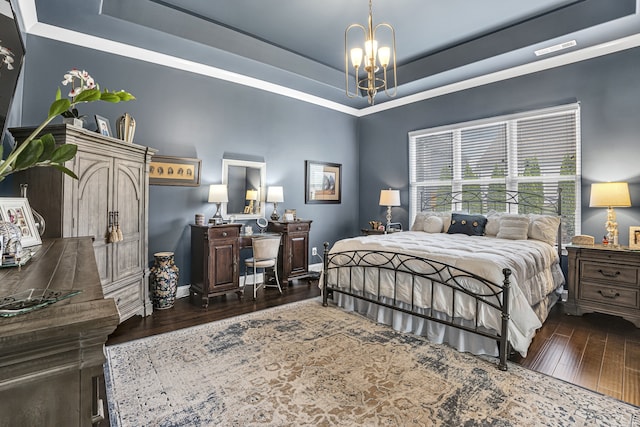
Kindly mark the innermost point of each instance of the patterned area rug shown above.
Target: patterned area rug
(304, 364)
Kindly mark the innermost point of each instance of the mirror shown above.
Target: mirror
(245, 182)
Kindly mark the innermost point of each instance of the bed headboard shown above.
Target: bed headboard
(483, 202)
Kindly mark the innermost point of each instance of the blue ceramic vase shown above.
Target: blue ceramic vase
(163, 277)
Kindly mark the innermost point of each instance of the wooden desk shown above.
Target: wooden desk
(51, 358)
(215, 256)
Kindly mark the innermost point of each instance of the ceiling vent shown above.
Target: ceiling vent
(555, 48)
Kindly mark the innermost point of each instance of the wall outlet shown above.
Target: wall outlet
(314, 251)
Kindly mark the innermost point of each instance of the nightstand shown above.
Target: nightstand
(605, 280)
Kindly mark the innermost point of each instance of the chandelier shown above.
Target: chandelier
(376, 59)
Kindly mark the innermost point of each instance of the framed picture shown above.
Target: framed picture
(17, 210)
(290, 215)
(167, 170)
(104, 127)
(634, 237)
(323, 182)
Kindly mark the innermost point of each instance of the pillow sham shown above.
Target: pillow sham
(513, 227)
(544, 228)
(471, 225)
(433, 224)
(493, 223)
(418, 222)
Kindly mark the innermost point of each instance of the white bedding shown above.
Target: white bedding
(534, 264)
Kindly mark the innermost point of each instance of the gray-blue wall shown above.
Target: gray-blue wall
(188, 115)
(184, 114)
(608, 89)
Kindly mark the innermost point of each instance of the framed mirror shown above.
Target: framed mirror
(245, 182)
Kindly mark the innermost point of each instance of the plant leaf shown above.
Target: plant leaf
(63, 153)
(109, 97)
(64, 170)
(48, 145)
(58, 107)
(58, 94)
(125, 96)
(29, 155)
(87, 95)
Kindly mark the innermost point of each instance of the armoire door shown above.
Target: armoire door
(128, 204)
(92, 204)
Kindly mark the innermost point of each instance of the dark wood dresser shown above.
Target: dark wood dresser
(51, 358)
(293, 259)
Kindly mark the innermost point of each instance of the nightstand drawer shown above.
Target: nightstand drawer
(610, 273)
(623, 297)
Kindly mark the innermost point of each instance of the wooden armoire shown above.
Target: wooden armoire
(112, 183)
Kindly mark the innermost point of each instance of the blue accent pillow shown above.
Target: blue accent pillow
(471, 225)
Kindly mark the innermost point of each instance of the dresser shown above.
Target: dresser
(604, 280)
(112, 183)
(215, 258)
(293, 259)
(51, 358)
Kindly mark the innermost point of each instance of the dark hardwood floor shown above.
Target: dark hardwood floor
(596, 351)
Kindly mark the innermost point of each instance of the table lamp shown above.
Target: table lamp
(610, 195)
(218, 195)
(251, 196)
(275, 195)
(389, 198)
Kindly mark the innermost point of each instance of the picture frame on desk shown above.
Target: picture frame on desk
(634, 237)
(17, 210)
(169, 170)
(103, 126)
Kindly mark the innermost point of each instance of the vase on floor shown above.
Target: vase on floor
(163, 278)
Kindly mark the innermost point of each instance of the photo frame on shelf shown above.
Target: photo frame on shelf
(17, 210)
(634, 237)
(103, 126)
(169, 170)
(323, 182)
(290, 215)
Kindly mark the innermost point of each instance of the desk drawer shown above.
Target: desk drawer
(295, 227)
(223, 232)
(623, 297)
(610, 273)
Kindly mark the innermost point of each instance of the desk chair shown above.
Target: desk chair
(265, 256)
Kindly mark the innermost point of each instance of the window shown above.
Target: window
(537, 152)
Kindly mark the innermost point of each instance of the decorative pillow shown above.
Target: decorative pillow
(493, 223)
(433, 224)
(514, 227)
(471, 225)
(544, 228)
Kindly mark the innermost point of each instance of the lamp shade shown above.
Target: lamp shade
(610, 194)
(275, 194)
(218, 193)
(252, 195)
(389, 197)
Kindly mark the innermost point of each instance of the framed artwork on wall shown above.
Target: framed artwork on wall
(168, 170)
(17, 210)
(634, 237)
(323, 182)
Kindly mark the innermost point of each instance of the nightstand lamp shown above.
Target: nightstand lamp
(389, 198)
(610, 195)
(275, 195)
(218, 195)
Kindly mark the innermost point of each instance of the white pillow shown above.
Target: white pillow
(514, 227)
(493, 223)
(544, 228)
(433, 224)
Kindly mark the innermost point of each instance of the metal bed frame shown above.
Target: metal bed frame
(418, 270)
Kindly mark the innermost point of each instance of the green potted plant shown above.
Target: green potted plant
(41, 150)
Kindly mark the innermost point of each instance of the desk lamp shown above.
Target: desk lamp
(610, 195)
(218, 195)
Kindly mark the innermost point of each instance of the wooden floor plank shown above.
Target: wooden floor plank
(569, 363)
(631, 392)
(588, 374)
(612, 373)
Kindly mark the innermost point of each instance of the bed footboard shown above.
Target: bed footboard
(417, 286)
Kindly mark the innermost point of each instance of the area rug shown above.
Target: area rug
(304, 364)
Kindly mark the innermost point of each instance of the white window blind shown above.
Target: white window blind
(535, 152)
